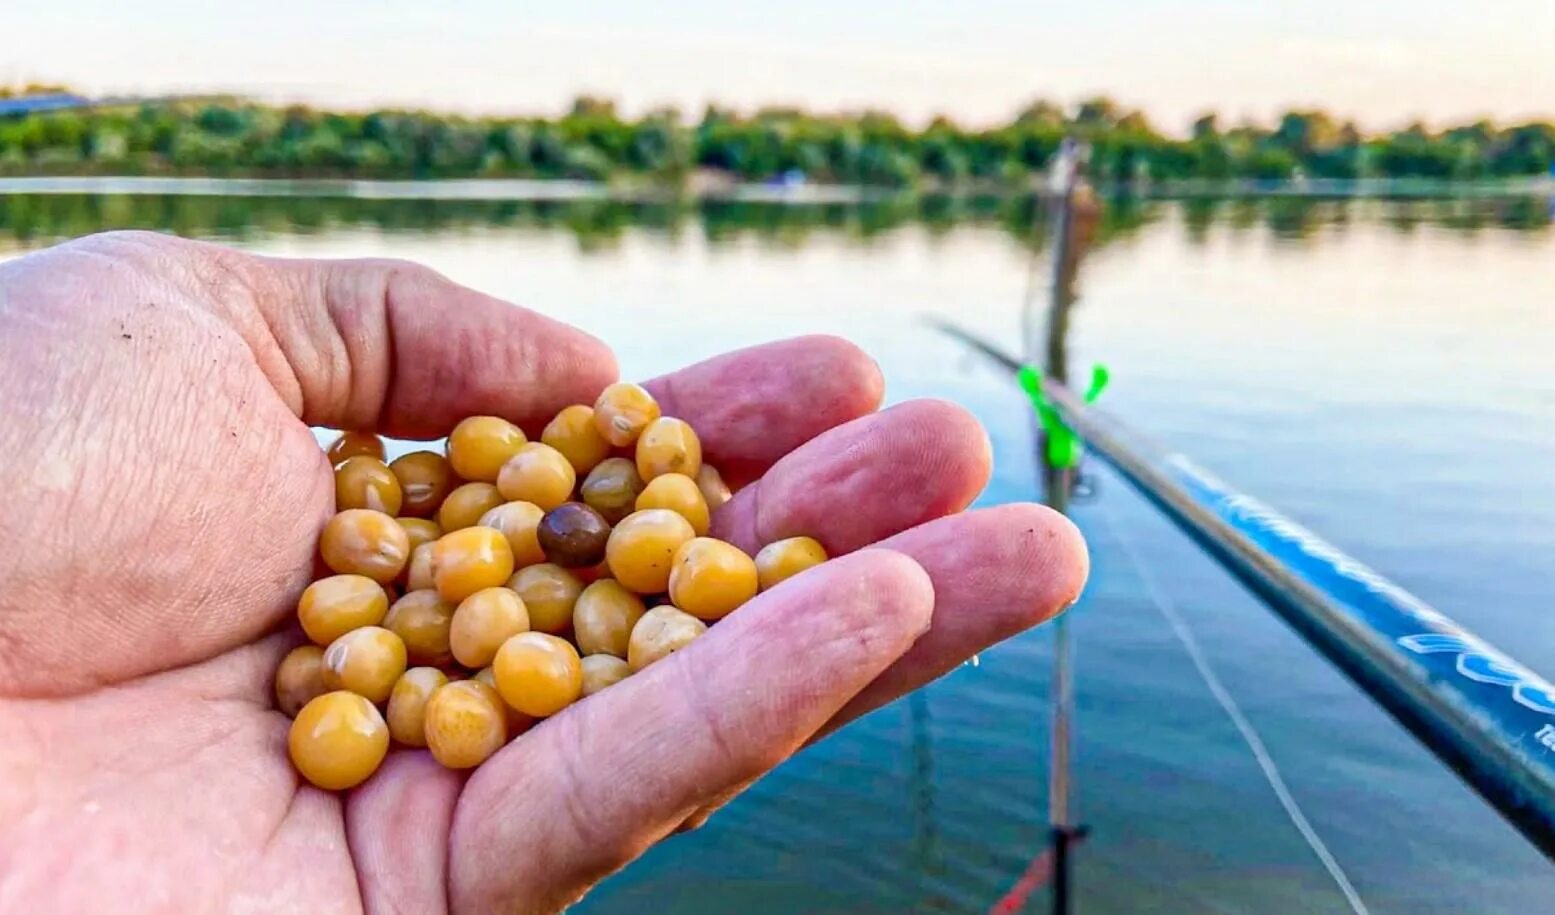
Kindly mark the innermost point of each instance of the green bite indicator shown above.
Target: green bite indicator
(1064, 448)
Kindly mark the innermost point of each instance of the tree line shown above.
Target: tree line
(593, 141)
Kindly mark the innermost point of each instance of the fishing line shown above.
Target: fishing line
(1249, 734)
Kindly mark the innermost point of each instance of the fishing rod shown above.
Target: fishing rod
(1046, 342)
(1486, 716)
(1058, 478)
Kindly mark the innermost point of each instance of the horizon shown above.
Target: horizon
(1382, 67)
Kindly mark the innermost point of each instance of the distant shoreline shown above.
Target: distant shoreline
(559, 189)
(562, 190)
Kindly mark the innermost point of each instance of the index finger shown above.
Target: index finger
(619, 770)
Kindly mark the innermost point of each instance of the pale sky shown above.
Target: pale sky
(1383, 62)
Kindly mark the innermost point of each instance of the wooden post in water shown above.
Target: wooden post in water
(1050, 352)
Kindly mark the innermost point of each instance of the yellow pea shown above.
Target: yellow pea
(519, 522)
(480, 445)
(365, 661)
(338, 740)
(470, 559)
(465, 723)
(661, 632)
(549, 593)
(418, 572)
(678, 493)
(483, 622)
(466, 504)
(333, 606)
(710, 578)
(351, 444)
(366, 482)
(419, 531)
(360, 541)
(783, 559)
(642, 546)
(408, 700)
(602, 670)
(538, 674)
(425, 481)
(539, 474)
(603, 617)
(622, 411)
(715, 492)
(299, 679)
(668, 445)
(422, 620)
(574, 434)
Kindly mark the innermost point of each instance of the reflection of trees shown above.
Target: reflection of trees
(1307, 217)
(1523, 212)
(1296, 217)
(34, 219)
(1199, 213)
(1244, 213)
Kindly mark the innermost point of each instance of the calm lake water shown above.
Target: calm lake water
(1379, 370)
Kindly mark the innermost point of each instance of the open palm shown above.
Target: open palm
(164, 495)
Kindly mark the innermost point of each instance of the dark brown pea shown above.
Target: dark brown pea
(573, 535)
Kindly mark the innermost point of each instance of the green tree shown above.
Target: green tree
(593, 139)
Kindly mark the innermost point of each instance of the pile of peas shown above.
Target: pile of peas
(478, 591)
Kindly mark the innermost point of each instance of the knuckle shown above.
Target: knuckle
(125, 241)
(394, 272)
(740, 750)
(610, 849)
(148, 251)
(212, 271)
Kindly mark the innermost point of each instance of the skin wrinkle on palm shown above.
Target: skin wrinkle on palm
(184, 736)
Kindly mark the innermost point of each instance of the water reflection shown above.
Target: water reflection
(1298, 347)
(33, 220)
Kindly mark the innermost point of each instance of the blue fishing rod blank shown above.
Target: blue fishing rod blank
(1491, 719)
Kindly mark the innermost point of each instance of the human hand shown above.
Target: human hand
(164, 499)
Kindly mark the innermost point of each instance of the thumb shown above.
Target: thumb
(382, 345)
(397, 347)
(588, 791)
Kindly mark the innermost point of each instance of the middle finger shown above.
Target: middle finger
(865, 480)
(752, 406)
